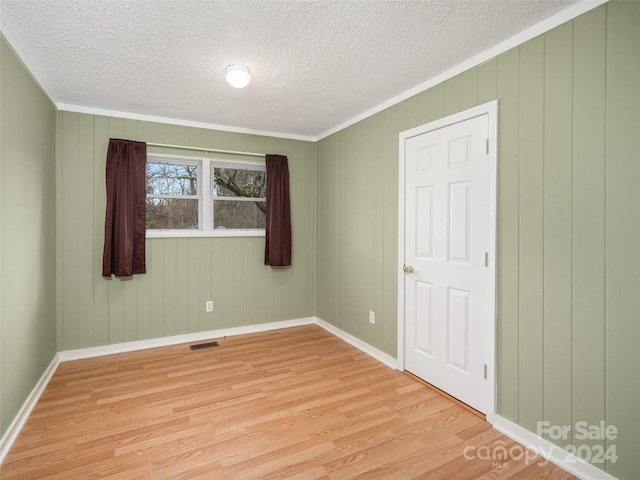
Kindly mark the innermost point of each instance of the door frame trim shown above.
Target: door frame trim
(490, 109)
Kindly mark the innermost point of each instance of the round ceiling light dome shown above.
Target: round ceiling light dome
(238, 76)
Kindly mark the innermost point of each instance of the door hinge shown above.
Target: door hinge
(487, 146)
(486, 259)
(485, 371)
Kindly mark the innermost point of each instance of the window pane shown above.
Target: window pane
(236, 182)
(235, 214)
(170, 179)
(174, 213)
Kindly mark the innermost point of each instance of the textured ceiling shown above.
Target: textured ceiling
(314, 64)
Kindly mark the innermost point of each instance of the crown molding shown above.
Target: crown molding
(65, 107)
(550, 23)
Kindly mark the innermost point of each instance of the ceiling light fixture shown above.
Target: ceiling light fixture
(238, 76)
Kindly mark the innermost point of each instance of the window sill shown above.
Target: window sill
(199, 233)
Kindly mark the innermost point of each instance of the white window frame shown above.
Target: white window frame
(206, 197)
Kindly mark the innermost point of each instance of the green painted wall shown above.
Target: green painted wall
(27, 234)
(568, 223)
(182, 273)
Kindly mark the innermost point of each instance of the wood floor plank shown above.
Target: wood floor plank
(295, 403)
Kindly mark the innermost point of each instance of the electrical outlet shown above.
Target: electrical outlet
(372, 317)
(208, 306)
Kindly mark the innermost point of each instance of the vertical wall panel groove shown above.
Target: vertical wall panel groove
(100, 318)
(384, 325)
(588, 218)
(452, 95)
(86, 244)
(130, 289)
(70, 235)
(143, 304)
(507, 235)
(558, 185)
(58, 274)
(531, 249)
(622, 172)
(116, 287)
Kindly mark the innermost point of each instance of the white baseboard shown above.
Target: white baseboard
(379, 355)
(183, 338)
(14, 429)
(548, 450)
(80, 353)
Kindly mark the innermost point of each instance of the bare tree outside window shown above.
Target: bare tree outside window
(239, 198)
(172, 196)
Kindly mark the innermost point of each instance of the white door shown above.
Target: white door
(447, 240)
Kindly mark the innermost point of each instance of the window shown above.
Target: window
(238, 197)
(173, 197)
(204, 197)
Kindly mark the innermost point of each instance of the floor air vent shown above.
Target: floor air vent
(200, 346)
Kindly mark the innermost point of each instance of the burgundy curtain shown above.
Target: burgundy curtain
(124, 226)
(277, 252)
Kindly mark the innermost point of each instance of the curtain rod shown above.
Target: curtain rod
(203, 149)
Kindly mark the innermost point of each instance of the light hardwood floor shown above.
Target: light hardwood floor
(296, 403)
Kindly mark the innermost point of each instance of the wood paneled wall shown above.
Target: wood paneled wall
(568, 223)
(27, 234)
(182, 273)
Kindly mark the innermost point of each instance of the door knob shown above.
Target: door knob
(407, 269)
